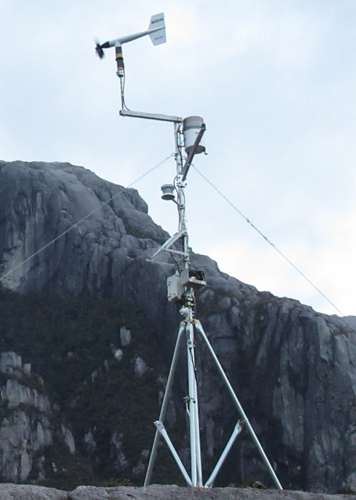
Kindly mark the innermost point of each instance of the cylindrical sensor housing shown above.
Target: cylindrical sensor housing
(191, 128)
(167, 192)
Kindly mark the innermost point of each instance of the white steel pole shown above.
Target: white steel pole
(195, 450)
(193, 405)
(192, 408)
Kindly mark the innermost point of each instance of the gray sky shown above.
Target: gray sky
(275, 82)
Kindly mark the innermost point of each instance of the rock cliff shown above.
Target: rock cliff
(101, 335)
(27, 426)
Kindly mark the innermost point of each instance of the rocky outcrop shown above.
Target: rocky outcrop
(293, 369)
(27, 426)
(174, 493)
(21, 492)
(41, 201)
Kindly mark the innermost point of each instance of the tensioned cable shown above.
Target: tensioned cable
(82, 220)
(268, 241)
(216, 189)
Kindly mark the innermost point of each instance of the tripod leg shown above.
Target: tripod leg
(164, 403)
(199, 328)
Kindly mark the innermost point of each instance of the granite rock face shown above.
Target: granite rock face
(293, 369)
(39, 202)
(26, 429)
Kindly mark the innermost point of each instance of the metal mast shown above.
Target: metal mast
(188, 135)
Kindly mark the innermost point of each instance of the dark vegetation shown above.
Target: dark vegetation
(70, 344)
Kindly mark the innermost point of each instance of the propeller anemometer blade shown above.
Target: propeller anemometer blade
(99, 50)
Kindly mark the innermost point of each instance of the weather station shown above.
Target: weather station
(182, 285)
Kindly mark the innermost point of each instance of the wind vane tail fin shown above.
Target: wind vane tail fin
(157, 23)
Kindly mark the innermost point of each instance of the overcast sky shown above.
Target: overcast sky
(275, 82)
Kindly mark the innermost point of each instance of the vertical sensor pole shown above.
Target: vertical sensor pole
(193, 405)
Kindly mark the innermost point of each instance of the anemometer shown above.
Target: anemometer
(188, 134)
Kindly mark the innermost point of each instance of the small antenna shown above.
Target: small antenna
(188, 134)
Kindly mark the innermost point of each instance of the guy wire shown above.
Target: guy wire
(217, 190)
(81, 220)
(269, 241)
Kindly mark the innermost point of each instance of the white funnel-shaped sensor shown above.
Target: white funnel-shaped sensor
(167, 192)
(191, 128)
(157, 24)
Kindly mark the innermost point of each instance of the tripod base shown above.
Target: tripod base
(188, 327)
